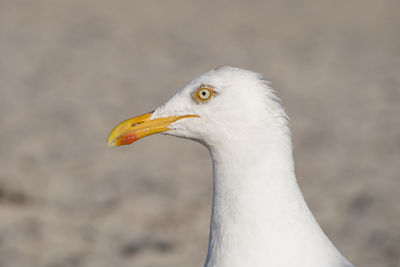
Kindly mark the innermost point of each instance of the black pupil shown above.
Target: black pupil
(204, 93)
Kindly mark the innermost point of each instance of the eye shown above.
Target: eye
(203, 94)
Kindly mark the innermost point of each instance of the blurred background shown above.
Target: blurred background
(71, 70)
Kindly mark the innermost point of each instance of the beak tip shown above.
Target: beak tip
(110, 143)
(126, 139)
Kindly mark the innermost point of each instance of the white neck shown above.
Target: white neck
(259, 217)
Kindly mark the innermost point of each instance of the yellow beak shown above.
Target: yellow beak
(138, 127)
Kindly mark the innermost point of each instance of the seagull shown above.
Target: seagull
(259, 217)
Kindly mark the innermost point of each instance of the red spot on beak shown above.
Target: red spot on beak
(126, 139)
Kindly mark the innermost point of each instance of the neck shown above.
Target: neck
(259, 216)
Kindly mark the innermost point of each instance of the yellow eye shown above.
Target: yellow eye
(203, 94)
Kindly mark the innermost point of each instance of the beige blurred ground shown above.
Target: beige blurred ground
(70, 70)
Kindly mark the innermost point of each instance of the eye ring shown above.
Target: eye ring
(203, 94)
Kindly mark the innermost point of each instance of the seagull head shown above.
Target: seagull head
(223, 104)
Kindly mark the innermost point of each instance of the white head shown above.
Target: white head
(222, 104)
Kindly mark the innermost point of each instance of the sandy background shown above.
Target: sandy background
(70, 70)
